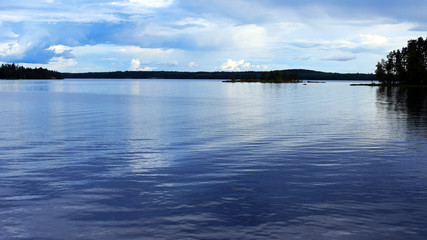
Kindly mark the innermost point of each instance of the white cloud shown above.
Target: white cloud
(57, 64)
(241, 65)
(232, 65)
(109, 57)
(135, 65)
(58, 49)
(61, 64)
(373, 39)
(151, 3)
(144, 3)
(204, 33)
(192, 64)
(13, 48)
(226, 35)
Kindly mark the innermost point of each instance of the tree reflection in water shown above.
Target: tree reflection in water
(408, 101)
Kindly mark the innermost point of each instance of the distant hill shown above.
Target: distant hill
(302, 74)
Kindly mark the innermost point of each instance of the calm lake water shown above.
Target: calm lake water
(202, 159)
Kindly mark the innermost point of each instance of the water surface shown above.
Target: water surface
(202, 159)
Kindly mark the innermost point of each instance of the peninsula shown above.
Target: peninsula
(404, 67)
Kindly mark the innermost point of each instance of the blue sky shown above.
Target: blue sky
(206, 35)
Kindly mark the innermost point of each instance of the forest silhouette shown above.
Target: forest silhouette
(12, 71)
(405, 66)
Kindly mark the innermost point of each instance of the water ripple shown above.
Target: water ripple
(206, 160)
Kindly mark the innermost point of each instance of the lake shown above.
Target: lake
(201, 159)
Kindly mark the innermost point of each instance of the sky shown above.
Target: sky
(345, 36)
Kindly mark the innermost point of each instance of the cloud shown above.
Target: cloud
(58, 11)
(231, 65)
(144, 3)
(204, 34)
(12, 48)
(371, 40)
(135, 65)
(62, 51)
(61, 63)
(56, 63)
(241, 65)
(192, 64)
(189, 22)
(134, 49)
(30, 46)
(225, 35)
(341, 58)
(109, 57)
(6, 33)
(151, 3)
(107, 35)
(59, 49)
(24, 52)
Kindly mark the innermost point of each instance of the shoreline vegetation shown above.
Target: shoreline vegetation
(241, 76)
(15, 72)
(407, 66)
(260, 81)
(269, 77)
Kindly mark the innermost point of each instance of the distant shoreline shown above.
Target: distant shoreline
(301, 73)
(260, 81)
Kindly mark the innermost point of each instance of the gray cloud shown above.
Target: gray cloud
(340, 58)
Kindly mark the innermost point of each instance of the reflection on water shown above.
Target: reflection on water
(410, 102)
(162, 159)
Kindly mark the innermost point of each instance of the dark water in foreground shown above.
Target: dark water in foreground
(164, 159)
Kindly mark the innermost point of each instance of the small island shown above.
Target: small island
(269, 77)
(12, 72)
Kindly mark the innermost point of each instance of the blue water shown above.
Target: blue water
(202, 159)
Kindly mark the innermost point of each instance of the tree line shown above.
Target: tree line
(12, 71)
(290, 73)
(405, 66)
(278, 76)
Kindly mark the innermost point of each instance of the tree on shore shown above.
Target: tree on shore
(405, 66)
(12, 71)
(278, 76)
